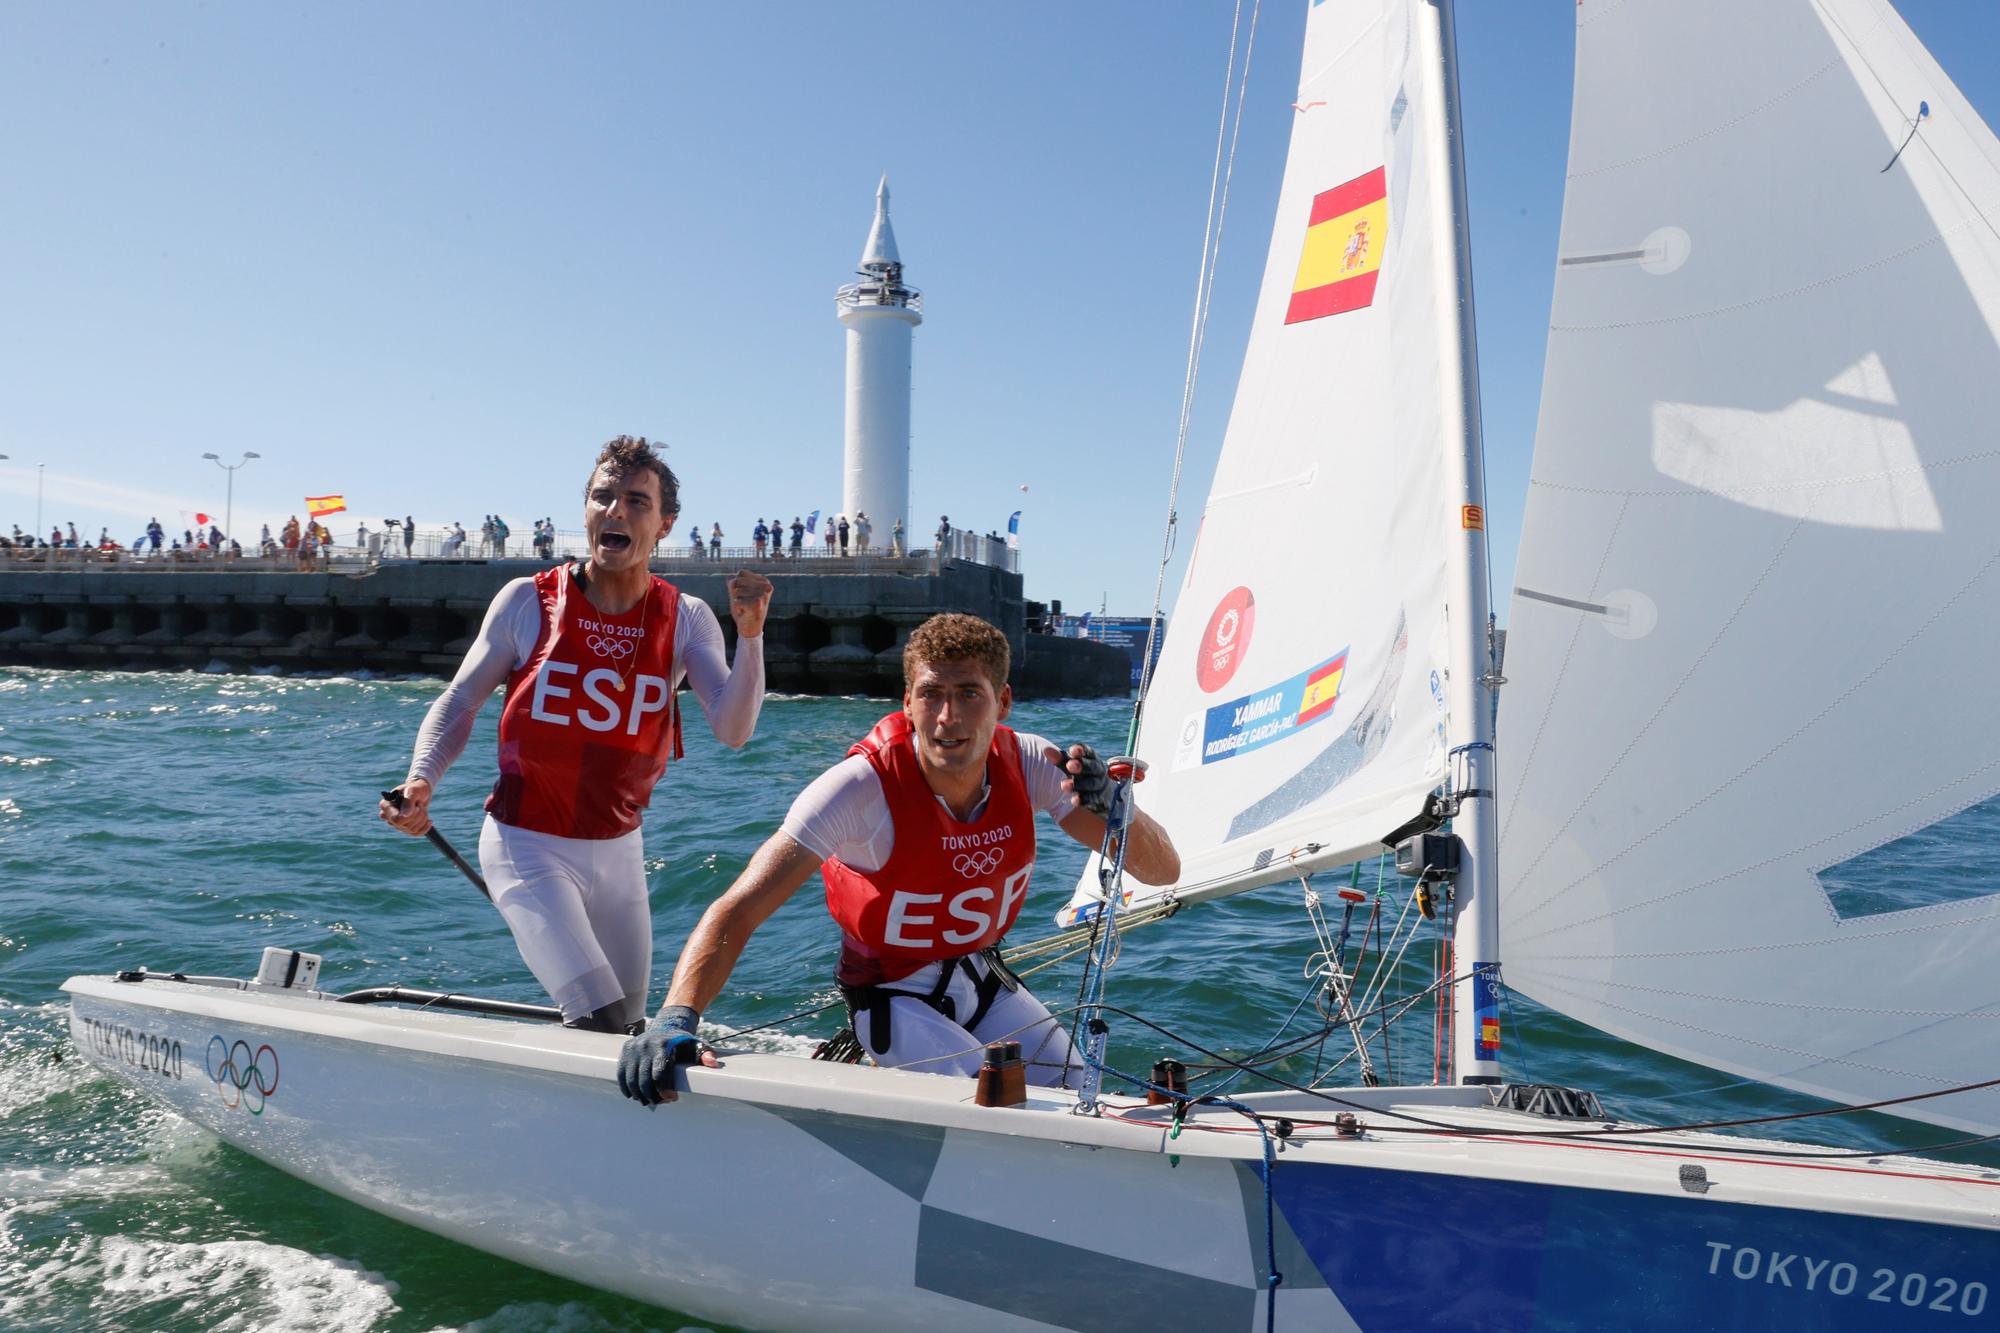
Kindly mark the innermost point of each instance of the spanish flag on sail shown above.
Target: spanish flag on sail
(1343, 251)
(319, 506)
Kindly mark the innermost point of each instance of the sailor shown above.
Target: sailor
(590, 654)
(925, 836)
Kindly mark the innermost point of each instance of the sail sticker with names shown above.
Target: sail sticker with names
(1264, 718)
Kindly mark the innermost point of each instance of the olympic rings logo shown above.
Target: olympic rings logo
(616, 649)
(974, 864)
(244, 1077)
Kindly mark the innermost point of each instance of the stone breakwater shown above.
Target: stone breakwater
(837, 632)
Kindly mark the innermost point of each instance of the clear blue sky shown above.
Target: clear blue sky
(431, 255)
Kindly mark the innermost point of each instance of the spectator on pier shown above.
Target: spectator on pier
(862, 527)
(409, 534)
(454, 543)
(943, 533)
(760, 537)
(715, 541)
(694, 535)
(308, 545)
(288, 536)
(155, 534)
(214, 538)
(843, 534)
(264, 543)
(896, 539)
(831, 536)
(501, 532)
(798, 537)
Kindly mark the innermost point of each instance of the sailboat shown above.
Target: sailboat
(1753, 563)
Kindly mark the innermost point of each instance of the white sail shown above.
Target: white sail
(1759, 589)
(1298, 711)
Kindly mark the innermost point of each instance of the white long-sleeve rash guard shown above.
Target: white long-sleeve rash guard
(730, 699)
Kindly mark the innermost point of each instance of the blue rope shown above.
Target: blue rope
(1182, 1101)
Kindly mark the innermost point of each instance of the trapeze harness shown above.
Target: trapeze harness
(948, 892)
(590, 717)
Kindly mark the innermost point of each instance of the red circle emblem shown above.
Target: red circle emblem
(1226, 640)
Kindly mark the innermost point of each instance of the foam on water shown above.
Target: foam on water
(224, 1285)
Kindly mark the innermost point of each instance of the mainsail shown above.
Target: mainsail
(1298, 712)
(1759, 588)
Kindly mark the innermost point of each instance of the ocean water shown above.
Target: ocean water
(186, 821)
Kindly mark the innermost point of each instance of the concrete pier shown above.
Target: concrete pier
(836, 626)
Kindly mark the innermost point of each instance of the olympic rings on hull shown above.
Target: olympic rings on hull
(244, 1077)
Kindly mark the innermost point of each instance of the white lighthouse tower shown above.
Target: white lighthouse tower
(879, 312)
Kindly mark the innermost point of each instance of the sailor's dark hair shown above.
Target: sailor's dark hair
(955, 637)
(629, 453)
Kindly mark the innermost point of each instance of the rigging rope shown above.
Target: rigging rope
(1220, 175)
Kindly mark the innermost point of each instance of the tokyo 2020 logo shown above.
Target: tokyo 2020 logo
(244, 1077)
(1226, 641)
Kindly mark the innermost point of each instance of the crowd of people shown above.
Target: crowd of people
(311, 544)
(775, 539)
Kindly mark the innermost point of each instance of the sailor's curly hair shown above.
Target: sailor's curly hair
(955, 637)
(630, 453)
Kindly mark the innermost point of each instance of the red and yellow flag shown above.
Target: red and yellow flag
(1322, 690)
(1342, 255)
(319, 506)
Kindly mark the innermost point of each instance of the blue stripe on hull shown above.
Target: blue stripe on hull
(1410, 1251)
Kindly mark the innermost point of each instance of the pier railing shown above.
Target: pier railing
(352, 559)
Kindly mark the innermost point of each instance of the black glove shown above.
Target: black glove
(646, 1065)
(1090, 782)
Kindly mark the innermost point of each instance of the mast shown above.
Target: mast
(1469, 691)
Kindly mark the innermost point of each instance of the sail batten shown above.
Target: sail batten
(1758, 568)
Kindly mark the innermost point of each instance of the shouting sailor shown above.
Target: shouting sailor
(925, 836)
(590, 654)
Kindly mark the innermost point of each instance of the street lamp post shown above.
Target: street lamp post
(229, 500)
(39, 468)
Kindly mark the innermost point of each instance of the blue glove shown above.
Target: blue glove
(1091, 783)
(646, 1065)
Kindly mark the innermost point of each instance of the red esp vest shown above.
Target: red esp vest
(949, 888)
(590, 718)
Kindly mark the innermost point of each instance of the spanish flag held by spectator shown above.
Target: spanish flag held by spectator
(319, 506)
(1342, 255)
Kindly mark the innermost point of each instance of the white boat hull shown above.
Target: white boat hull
(786, 1194)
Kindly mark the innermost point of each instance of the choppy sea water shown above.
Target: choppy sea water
(186, 821)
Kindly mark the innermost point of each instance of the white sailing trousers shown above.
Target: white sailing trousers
(578, 910)
(926, 1041)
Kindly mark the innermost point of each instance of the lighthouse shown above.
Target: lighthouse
(880, 312)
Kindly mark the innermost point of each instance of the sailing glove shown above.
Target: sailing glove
(646, 1065)
(1090, 782)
